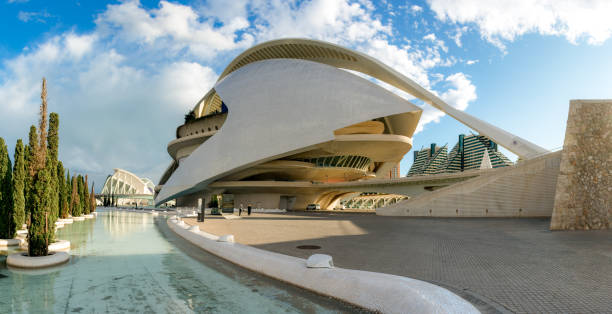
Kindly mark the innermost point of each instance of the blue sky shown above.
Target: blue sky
(122, 74)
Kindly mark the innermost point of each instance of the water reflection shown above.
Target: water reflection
(122, 263)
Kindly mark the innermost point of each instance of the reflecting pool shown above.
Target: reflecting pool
(131, 262)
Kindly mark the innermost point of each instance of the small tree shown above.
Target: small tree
(190, 116)
(40, 230)
(19, 181)
(7, 227)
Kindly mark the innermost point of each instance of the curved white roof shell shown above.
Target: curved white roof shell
(337, 56)
(123, 182)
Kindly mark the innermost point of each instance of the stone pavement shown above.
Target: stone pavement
(514, 265)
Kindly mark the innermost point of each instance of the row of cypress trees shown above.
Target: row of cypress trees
(34, 191)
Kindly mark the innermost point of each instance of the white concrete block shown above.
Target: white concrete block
(10, 242)
(226, 238)
(60, 245)
(195, 228)
(320, 261)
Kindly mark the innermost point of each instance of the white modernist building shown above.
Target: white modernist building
(285, 116)
(128, 188)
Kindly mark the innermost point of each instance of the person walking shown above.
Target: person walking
(240, 210)
(249, 209)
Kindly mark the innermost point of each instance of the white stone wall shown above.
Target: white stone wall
(525, 190)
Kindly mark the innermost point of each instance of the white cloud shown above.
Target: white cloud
(440, 43)
(79, 45)
(39, 17)
(332, 20)
(504, 20)
(172, 27)
(459, 31)
(416, 9)
(470, 62)
(459, 96)
(461, 93)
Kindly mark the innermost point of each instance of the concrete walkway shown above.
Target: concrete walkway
(501, 264)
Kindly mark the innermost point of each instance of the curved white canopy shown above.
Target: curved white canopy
(125, 183)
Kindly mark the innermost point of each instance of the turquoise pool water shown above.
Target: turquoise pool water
(131, 262)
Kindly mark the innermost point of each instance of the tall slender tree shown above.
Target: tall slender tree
(52, 160)
(68, 188)
(75, 203)
(62, 202)
(42, 228)
(41, 154)
(7, 227)
(86, 207)
(92, 200)
(19, 181)
(30, 158)
(80, 192)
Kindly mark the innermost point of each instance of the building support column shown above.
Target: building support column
(583, 199)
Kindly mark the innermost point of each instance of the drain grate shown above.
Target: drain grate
(308, 247)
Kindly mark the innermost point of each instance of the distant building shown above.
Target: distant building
(394, 173)
(467, 154)
(431, 160)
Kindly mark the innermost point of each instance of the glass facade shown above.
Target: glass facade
(355, 162)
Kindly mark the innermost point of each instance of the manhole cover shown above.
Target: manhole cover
(308, 247)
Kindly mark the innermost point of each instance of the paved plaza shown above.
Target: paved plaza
(500, 265)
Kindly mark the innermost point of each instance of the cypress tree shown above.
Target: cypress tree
(30, 169)
(74, 198)
(19, 180)
(86, 206)
(75, 204)
(42, 225)
(92, 200)
(80, 191)
(40, 230)
(68, 189)
(52, 146)
(62, 191)
(7, 227)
